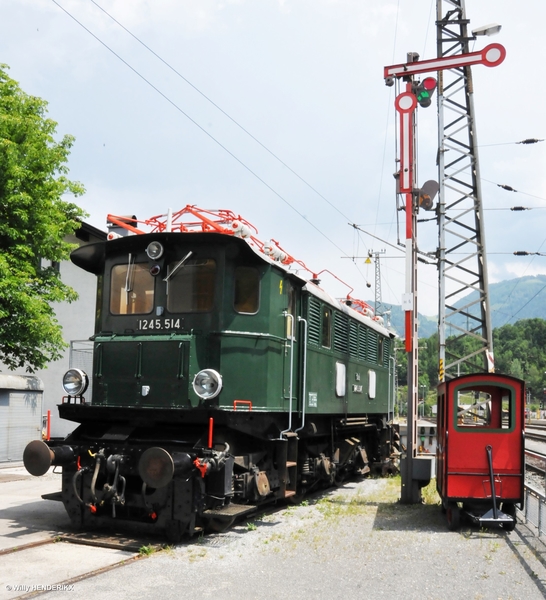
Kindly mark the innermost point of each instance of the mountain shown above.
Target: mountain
(510, 301)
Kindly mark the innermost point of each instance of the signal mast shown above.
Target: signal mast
(416, 471)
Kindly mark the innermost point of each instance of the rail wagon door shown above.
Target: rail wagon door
(291, 368)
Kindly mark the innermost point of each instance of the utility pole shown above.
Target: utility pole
(378, 308)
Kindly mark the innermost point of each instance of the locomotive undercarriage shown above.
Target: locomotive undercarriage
(168, 478)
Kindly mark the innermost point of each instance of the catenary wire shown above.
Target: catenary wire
(234, 121)
(223, 112)
(172, 103)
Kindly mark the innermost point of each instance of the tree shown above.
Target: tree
(34, 221)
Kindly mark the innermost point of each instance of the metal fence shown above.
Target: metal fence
(534, 510)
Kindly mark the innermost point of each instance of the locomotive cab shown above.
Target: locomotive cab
(181, 310)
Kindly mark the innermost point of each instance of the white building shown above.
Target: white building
(78, 323)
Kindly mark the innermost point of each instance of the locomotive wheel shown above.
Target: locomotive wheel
(219, 525)
(339, 480)
(173, 532)
(453, 515)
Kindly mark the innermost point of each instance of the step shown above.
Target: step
(231, 510)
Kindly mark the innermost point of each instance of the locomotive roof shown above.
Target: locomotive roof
(315, 290)
(218, 226)
(91, 257)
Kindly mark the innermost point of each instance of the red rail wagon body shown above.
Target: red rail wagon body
(481, 448)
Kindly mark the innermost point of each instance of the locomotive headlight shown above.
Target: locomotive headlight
(207, 384)
(154, 250)
(75, 382)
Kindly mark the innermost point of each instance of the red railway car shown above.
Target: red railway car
(481, 448)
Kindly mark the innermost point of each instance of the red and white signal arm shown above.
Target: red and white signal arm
(405, 104)
(490, 56)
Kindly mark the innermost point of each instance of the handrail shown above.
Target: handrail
(252, 334)
(304, 374)
(286, 314)
(246, 402)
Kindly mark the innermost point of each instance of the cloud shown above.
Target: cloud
(305, 78)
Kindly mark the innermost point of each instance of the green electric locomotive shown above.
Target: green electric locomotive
(222, 380)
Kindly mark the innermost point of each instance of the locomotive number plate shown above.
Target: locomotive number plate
(158, 324)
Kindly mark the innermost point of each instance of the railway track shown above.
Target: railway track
(82, 556)
(102, 553)
(535, 433)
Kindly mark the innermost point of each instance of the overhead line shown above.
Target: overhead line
(148, 82)
(219, 108)
(234, 121)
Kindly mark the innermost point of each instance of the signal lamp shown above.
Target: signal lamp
(154, 250)
(155, 270)
(207, 384)
(75, 382)
(427, 194)
(424, 90)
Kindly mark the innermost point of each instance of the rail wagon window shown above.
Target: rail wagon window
(341, 378)
(372, 385)
(191, 288)
(247, 290)
(131, 290)
(380, 344)
(484, 408)
(326, 329)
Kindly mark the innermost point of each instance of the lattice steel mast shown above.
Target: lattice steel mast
(461, 251)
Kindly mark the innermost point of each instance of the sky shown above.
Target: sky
(162, 103)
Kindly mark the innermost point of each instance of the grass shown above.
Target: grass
(196, 553)
(430, 495)
(382, 504)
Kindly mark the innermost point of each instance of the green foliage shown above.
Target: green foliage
(34, 220)
(520, 351)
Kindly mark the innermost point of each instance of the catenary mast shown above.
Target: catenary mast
(462, 261)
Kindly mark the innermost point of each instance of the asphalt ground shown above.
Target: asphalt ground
(351, 542)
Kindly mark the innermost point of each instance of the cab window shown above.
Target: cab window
(191, 287)
(131, 290)
(247, 290)
(484, 408)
